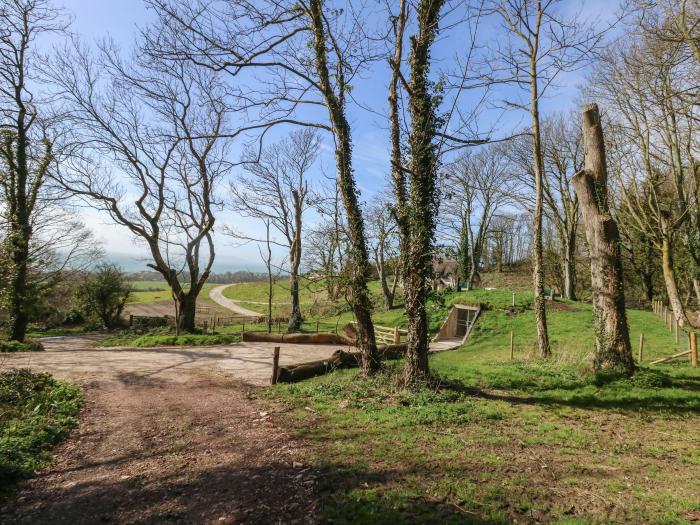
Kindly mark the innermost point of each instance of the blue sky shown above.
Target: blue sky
(120, 19)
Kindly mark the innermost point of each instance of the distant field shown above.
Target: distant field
(154, 291)
(312, 295)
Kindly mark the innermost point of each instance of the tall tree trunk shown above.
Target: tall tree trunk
(358, 262)
(398, 172)
(422, 198)
(19, 248)
(669, 273)
(387, 293)
(537, 256)
(570, 266)
(295, 317)
(187, 307)
(696, 289)
(613, 347)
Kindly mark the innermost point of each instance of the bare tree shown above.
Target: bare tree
(277, 191)
(308, 54)
(539, 44)
(563, 155)
(383, 241)
(644, 83)
(160, 125)
(478, 186)
(326, 245)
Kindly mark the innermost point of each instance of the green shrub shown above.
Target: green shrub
(16, 346)
(36, 412)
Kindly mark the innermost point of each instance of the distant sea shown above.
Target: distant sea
(222, 264)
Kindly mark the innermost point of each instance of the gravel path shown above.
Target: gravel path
(217, 295)
(169, 436)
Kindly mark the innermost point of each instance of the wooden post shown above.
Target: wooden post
(316, 325)
(511, 345)
(693, 349)
(641, 347)
(278, 326)
(275, 365)
(131, 320)
(242, 329)
(397, 335)
(677, 326)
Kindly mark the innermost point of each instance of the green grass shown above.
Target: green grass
(501, 440)
(154, 291)
(16, 346)
(36, 412)
(314, 300)
(145, 341)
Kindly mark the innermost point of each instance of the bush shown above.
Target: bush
(36, 412)
(16, 346)
(104, 295)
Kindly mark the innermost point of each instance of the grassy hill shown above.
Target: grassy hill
(500, 441)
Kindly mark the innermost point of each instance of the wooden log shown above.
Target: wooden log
(693, 349)
(641, 347)
(397, 335)
(323, 338)
(339, 359)
(275, 365)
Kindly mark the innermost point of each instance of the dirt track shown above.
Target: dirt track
(217, 295)
(168, 436)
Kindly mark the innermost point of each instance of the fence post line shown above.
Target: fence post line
(641, 347)
(275, 365)
(693, 349)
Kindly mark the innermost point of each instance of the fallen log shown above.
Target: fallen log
(323, 338)
(339, 359)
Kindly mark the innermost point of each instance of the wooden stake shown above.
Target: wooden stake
(278, 326)
(641, 347)
(511, 345)
(397, 335)
(693, 349)
(677, 329)
(316, 325)
(275, 365)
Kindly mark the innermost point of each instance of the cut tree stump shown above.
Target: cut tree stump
(613, 347)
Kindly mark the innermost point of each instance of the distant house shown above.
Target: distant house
(445, 274)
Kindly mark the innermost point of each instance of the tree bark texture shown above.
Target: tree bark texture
(537, 255)
(358, 262)
(422, 196)
(613, 347)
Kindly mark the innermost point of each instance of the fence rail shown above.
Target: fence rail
(666, 315)
(388, 335)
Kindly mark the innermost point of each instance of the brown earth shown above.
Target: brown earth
(167, 437)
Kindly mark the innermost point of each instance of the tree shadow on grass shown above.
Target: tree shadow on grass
(269, 494)
(661, 394)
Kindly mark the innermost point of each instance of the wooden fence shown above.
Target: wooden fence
(388, 335)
